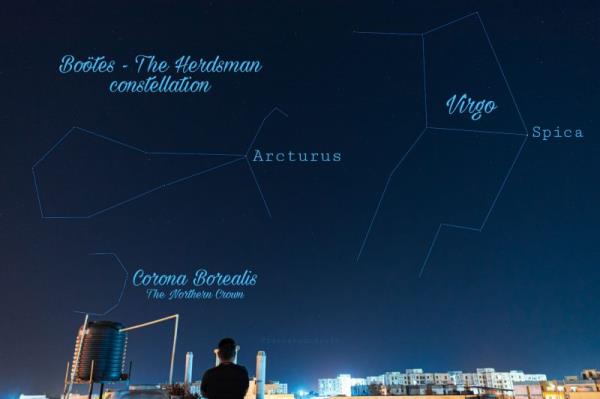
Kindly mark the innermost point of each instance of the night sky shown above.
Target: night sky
(520, 294)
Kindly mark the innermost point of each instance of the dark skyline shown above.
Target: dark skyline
(518, 294)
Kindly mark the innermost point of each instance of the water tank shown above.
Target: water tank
(106, 345)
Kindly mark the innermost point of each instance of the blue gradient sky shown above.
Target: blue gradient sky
(521, 294)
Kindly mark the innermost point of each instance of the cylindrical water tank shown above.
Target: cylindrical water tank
(106, 345)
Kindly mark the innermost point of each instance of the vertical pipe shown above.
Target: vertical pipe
(173, 351)
(129, 374)
(76, 361)
(237, 349)
(189, 363)
(261, 368)
(217, 360)
(150, 323)
(101, 391)
(91, 382)
(66, 379)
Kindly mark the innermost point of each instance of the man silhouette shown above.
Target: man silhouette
(227, 380)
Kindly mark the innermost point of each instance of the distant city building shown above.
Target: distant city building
(273, 390)
(590, 374)
(360, 390)
(570, 388)
(276, 388)
(417, 382)
(527, 390)
(340, 385)
(580, 386)
(490, 378)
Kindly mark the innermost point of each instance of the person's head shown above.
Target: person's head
(226, 349)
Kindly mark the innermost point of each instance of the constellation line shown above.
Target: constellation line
(260, 192)
(387, 33)
(474, 131)
(485, 219)
(237, 157)
(441, 129)
(113, 307)
(387, 183)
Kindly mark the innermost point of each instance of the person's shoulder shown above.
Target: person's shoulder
(210, 371)
(241, 369)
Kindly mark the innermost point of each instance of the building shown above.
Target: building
(276, 388)
(372, 385)
(273, 390)
(570, 388)
(360, 390)
(459, 396)
(418, 382)
(340, 385)
(346, 385)
(590, 374)
(527, 390)
(376, 380)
